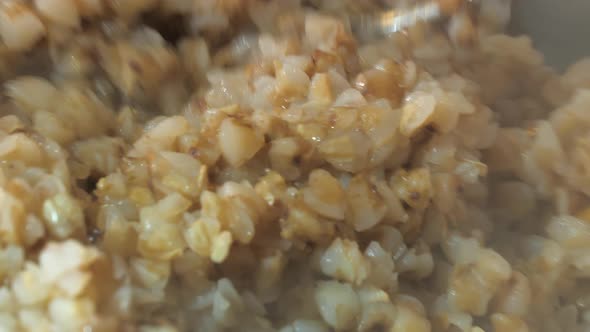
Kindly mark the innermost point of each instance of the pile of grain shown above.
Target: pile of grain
(219, 165)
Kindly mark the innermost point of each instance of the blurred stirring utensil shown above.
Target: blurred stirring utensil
(377, 25)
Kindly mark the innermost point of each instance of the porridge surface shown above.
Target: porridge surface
(227, 165)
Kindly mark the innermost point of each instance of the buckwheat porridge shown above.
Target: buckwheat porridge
(227, 165)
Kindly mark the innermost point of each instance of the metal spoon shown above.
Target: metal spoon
(376, 25)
